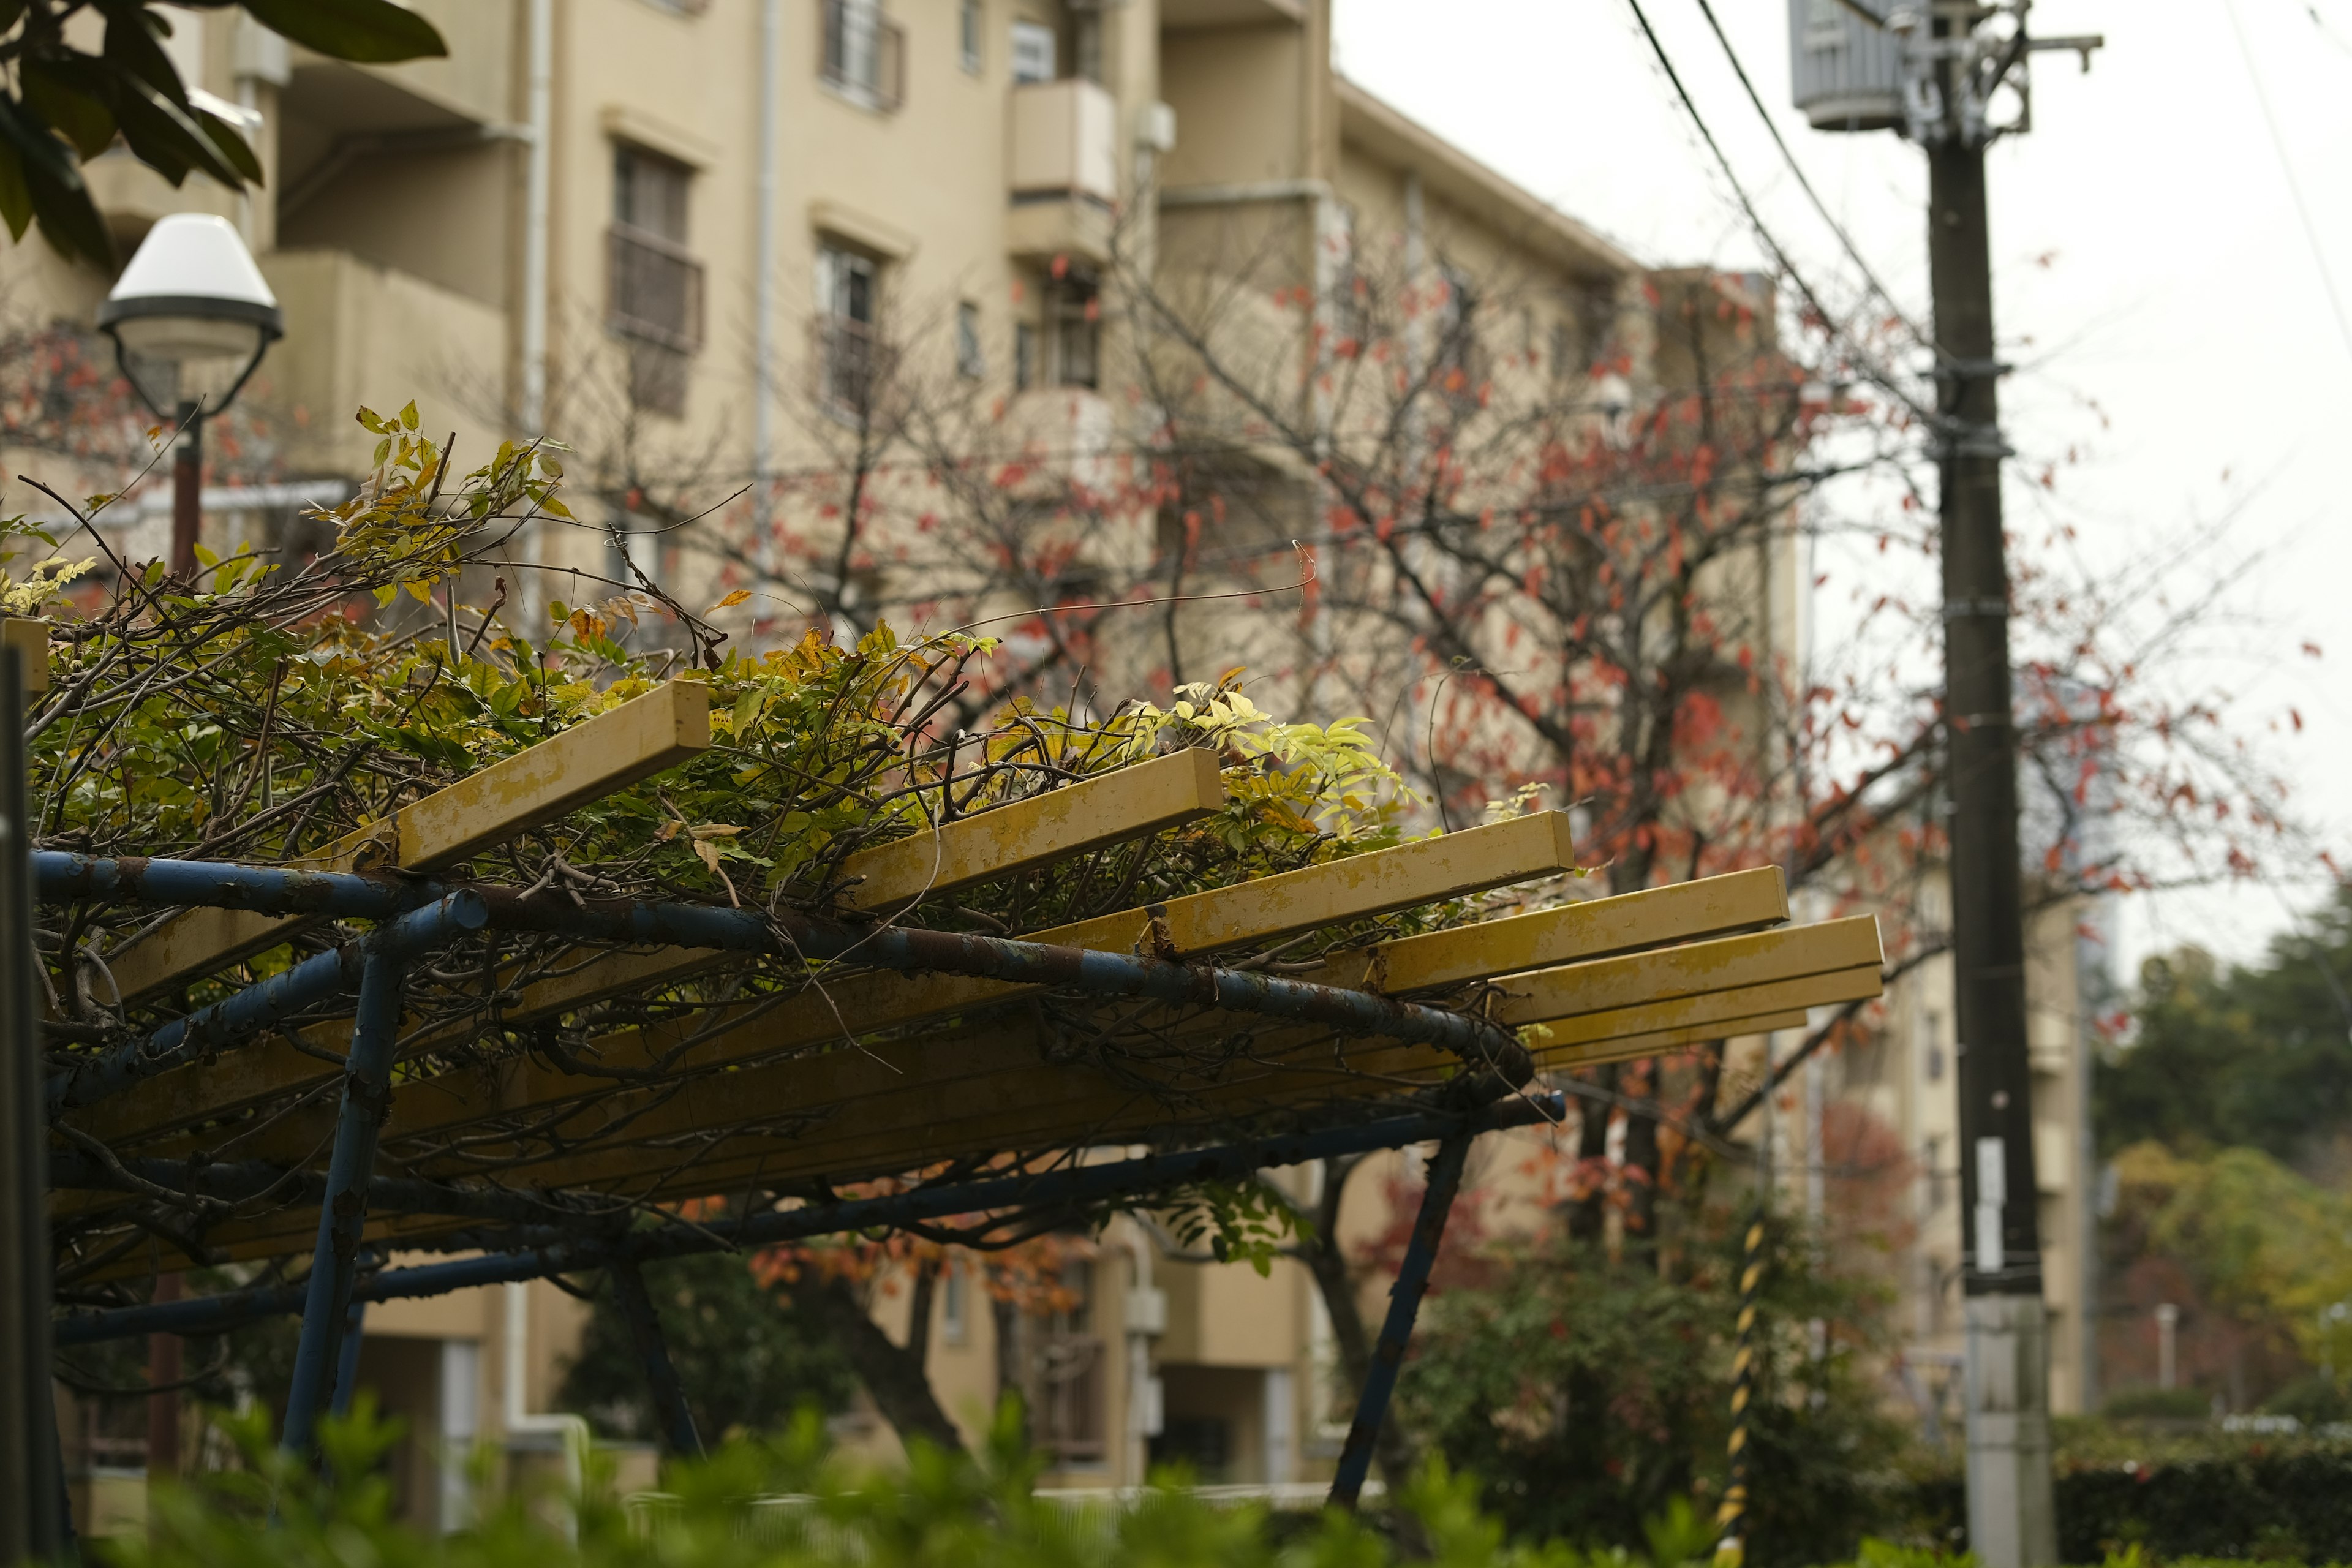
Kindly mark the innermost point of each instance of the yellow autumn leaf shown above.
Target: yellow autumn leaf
(730, 601)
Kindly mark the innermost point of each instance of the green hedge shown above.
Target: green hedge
(2277, 1502)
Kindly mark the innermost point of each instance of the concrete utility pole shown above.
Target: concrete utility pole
(2010, 1515)
(1931, 69)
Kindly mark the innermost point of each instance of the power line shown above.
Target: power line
(2294, 185)
(1756, 219)
(1789, 157)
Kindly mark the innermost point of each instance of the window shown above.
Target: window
(971, 362)
(969, 22)
(656, 283)
(847, 306)
(1073, 319)
(1033, 52)
(1025, 356)
(865, 54)
(1068, 1412)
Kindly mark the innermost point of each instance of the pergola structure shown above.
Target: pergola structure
(322, 1112)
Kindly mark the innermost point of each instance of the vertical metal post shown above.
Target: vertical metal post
(34, 1524)
(1404, 1304)
(188, 489)
(347, 1364)
(670, 1409)
(165, 1366)
(343, 1213)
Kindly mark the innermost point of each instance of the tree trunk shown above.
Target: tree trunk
(894, 1375)
(1644, 1170)
(1586, 1214)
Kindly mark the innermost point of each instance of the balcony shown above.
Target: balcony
(1070, 1424)
(654, 289)
(1064, 164)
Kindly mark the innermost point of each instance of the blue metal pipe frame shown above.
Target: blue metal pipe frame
(333, 1296)
(643, 922)
(301, 989)
(1396, 1330)
(342, 1217)
(1072, 1187)
(671, 1412)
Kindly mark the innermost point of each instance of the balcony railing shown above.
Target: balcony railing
(865, 54)
(1070, 1398)
(657, 290)
(852, 360)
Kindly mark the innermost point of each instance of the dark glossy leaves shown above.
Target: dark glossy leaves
(373, 31)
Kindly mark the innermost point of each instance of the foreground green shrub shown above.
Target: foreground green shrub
(786, 1502)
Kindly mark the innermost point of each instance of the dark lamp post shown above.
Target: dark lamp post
(191, 295)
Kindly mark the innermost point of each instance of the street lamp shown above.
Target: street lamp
(191, 300)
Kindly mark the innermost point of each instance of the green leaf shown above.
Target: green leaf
(229, 143)
(376, 32)
(51, 93)
(166, 140)
(408, 415)
(15, 197)
(131, 49)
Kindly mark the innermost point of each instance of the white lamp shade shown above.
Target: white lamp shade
(192, 293)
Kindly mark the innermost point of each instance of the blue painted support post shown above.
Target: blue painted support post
(671, 1413)
(274, 1001)
(1404, 1304)
(367, 1096)
(347, 1361)
(539, 1251)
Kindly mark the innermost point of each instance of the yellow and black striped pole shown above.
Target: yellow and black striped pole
(1732, 1542)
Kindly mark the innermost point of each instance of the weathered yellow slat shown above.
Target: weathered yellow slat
(1167, 792)
(1601, 1036)
(1549, 996)
(1684, 911)
(609, 752)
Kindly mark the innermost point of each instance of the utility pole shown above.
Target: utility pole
(2011, 1518)
(1932, 70)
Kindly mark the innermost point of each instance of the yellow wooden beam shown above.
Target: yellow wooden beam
(1442, 960)
(1166, 792)
(1604, 1037)
(536, 785)
(1643, 979)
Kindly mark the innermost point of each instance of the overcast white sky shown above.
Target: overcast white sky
(2152, 278)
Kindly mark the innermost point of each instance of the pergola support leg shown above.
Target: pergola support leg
(1396, 1330)
(347, 1360)
(670, 1409)
(342, 1217)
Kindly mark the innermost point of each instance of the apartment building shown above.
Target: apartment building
(696, 237)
